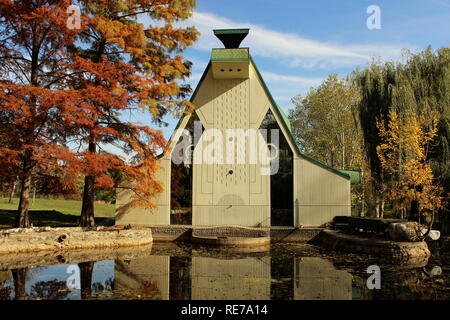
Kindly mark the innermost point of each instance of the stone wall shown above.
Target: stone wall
(71, 256)
(293, 235)
(404, 252)
(37, 239)
(277, 234)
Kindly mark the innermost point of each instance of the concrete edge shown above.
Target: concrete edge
(42, 239)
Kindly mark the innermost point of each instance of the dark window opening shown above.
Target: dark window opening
(181, 182)
(282, 182)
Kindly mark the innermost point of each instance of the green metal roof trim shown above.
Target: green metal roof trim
(191, 100)
(285, 118)
(355, 175)
(194, 94)
(230, 31)
(286, 123)
(236, 54)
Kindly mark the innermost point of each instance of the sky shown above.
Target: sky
(296, 44)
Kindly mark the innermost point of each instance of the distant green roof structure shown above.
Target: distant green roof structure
(355, 175)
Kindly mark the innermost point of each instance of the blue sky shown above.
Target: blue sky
(297, 43)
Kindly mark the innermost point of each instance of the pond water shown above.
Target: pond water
(183, 271)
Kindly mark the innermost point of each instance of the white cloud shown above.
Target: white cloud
(291, 49)
(288, 79)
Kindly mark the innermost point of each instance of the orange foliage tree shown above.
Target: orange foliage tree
(34, 105)
(64, 92)
(408, 178)
(127, 67)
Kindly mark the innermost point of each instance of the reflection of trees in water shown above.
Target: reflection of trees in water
(398, 284)
(180, 278)
(88, 289)
(86, 270)
(408, 284)
(19, 279)
(150, 290)
(133, 285)
(50, 290)
(99, 287)
(5, 290)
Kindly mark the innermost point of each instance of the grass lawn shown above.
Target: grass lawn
(49, 212)
(71, 207)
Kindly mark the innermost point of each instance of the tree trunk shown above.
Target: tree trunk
(429, 226)
(343, 151)
(86, 269)
(13, 190)
(379, 206)
(34, 194)
(414, 212)
(87, 208)
(19, 279)
(382, 208)
(22, 220)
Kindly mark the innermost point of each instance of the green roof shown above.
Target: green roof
(285, 119)
(238, 54)
(230, 31)
(355, 175)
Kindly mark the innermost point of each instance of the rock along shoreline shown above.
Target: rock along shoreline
(46, 238)
(404, 252)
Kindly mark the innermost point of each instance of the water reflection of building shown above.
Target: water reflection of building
(252, 278)
(148, 276)
(317, 278)
(234, 279)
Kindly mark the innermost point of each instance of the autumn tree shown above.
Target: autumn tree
(324, 126)
(34, 104)
(420, 85)
(408, 179)
(127, 67)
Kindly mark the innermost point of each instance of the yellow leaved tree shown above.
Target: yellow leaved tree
(408, 180)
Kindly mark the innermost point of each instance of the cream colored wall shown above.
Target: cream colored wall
(219, 198)
(127, 214)
(244, 197)
(236, 279)
(319, 194)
